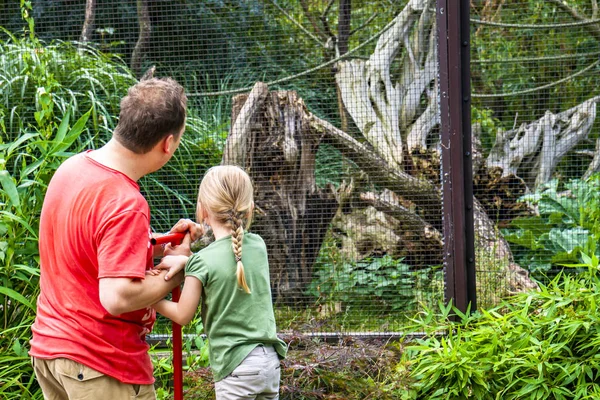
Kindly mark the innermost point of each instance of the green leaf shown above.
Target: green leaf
(9, 187)
(62, 128)
(21, 221)
(16, 296)
(66, 140)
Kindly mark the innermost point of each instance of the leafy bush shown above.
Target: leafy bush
(538, 345)
(26, 166)
(567, 223)
(387, 282)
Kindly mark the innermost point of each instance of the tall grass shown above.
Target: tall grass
(45, 88)
(42, 82)
(27, 165)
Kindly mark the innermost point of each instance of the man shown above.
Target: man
(94, 310)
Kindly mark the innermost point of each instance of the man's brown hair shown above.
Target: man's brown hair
(153, 109)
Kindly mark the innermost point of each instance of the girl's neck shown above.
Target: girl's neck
(220, 231)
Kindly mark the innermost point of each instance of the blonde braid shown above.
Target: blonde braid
(237, 237)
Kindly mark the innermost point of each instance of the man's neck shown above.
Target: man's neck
(116, 156)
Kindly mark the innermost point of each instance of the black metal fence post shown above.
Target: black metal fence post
(457, 169)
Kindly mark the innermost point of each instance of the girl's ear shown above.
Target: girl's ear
(250, 212)
(199, 212)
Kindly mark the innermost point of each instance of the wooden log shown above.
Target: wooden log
(272, 138)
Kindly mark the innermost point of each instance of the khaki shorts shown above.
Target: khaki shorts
(64, 379)
(256, 378)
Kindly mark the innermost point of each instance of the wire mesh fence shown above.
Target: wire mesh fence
(534, 89)
(342, 139)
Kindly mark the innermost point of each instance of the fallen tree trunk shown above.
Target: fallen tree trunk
(275, 139)
(272, 138)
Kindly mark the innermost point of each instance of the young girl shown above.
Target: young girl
(231, 276)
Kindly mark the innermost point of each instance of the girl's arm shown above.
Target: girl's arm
(183, 311)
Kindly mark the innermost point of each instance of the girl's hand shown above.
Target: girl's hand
(187, 225)
(152, 272)
(182, 249)
(173, 264)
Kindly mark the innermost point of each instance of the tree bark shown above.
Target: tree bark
(381, 107)
(422, 192)
(273, 140)
(404, 112)
(88, 23)
(533, 150)
(145, 26)
(595, 164)
(343, 31)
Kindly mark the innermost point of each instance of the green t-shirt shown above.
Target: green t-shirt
(235, 321)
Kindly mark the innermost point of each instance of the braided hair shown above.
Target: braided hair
(226, 192)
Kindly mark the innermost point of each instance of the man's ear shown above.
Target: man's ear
(169, 144)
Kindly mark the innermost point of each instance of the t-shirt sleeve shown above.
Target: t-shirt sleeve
(123, 246)
(197, 268)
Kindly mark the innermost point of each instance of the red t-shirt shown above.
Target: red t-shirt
(95, 224)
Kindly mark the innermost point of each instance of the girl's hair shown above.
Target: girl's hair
(226, 192)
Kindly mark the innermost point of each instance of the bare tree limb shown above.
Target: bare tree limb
(559, 139)
(417, 190)
(376, 103)
(593, 29)
(543, 143)
(143, 10)
(299, 25)
(363, 25)
(595, 164)
(88, 23)
(343, 28)
(235, 149)
(388, 202)
(313, 21)
(324, 20)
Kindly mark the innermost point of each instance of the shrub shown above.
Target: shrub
(537, 345)
(567, 222)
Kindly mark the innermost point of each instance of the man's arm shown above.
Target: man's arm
(122, 295)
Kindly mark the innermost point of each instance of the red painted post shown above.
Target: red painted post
(175, 239)
(177, 355)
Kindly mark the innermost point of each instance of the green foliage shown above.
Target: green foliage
(566, 224)
(172, 191)
(26, 166)
(535, 47)
(537, 345)
(42, 82)
(488, 124)
(195, 351)
(387, 282)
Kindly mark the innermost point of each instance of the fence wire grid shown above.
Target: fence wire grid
(333, 109)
